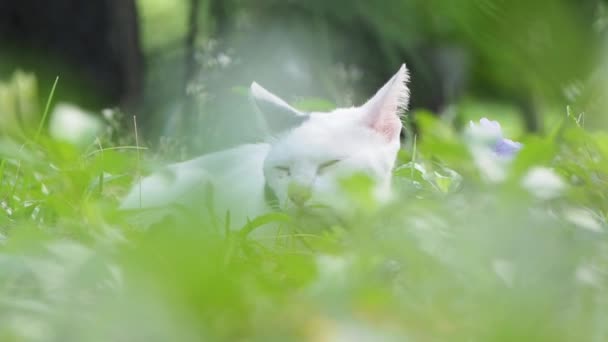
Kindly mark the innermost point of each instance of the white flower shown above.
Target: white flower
(224, 60)
(72, 124)
(543, 183)
(583, 218)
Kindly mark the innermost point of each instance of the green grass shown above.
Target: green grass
(454, 258)
(47, 107)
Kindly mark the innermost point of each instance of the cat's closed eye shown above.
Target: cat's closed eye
(325, 166)
(284, 169)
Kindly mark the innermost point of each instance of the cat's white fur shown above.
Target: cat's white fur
(302, 163)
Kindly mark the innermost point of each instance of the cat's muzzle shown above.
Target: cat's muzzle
(299, 194)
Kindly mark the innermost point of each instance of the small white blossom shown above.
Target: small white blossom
(543, 183)
(583, 218)
(587, 275)
(72, 124)
(224, 60)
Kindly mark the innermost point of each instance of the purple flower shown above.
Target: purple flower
(489, 134)
(507, 148)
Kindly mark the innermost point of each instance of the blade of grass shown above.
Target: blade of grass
(116, 148)
(2, 164)
(101, 173)
(138, 158)
(414, 157)
(40, 127)
(46, 109)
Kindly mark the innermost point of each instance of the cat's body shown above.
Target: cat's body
(301, 165)
(233, 176)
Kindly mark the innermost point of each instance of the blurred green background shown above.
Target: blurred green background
(183, 66)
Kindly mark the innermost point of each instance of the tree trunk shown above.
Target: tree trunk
(93, 46)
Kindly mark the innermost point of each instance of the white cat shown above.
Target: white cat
(303, 162)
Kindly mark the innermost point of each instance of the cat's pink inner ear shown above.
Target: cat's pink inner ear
(382, 111)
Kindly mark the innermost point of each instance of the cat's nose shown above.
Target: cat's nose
(299, 194)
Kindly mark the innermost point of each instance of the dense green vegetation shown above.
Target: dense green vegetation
(460, 255)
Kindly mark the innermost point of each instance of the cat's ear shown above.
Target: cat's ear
(381, 112)
(276, 115)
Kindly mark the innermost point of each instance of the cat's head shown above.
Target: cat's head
(312, 153)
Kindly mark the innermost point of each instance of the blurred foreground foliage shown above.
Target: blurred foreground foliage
(19, 104)
(458, 255)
